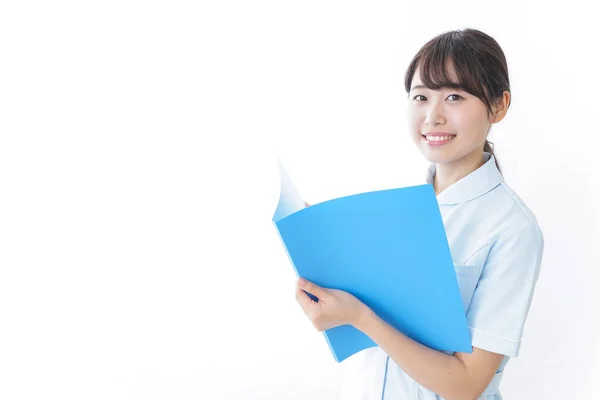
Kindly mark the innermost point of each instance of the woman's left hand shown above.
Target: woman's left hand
(334, 308)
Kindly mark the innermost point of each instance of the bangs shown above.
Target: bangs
(440, 58)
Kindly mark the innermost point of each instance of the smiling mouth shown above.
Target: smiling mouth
(437, 138)
(433, 140)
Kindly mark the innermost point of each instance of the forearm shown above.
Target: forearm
(443, 374)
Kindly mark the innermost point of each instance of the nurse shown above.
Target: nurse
(458, 87)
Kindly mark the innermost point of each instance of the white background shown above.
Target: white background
(138, 179)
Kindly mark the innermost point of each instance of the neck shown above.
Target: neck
(449, 173)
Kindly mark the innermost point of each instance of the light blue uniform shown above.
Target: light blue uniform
(496, 245)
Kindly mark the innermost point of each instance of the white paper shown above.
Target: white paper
(290, 200)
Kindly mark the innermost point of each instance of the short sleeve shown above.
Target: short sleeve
(503, 295)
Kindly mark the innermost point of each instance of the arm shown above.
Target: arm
(461, 376)
(509, 275)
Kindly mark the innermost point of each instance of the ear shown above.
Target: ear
(500, 108)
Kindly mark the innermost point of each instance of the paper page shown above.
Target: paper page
(290, 200)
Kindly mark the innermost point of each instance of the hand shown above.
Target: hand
(306, 204)
(334, 308)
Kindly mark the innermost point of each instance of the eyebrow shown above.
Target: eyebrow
(459, 87)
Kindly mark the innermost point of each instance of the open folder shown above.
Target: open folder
(389, 249)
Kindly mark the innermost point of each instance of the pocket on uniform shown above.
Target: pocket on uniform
(467, 276)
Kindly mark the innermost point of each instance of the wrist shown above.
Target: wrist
(364, 317)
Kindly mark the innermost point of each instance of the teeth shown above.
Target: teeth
(438, 138)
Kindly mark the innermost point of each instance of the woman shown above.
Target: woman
(458, 87)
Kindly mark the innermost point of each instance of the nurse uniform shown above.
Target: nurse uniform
(496, 246)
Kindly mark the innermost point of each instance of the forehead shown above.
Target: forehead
(448, 69)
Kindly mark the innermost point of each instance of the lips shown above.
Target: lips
(438, 138)
(438, 134)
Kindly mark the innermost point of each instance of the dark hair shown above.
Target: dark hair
(479, 63)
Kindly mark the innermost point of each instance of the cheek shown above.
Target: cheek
(414, 121)
(461, 120)
(468, 123)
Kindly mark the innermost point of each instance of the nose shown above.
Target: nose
(435, 114)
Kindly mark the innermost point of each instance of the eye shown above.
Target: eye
(457, 95)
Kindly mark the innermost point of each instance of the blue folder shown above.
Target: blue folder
(389, 249)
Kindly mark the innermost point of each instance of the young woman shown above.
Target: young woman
(458, 87)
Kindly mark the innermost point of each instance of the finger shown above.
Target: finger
(312, 288)
(303, 299)
(306, 300)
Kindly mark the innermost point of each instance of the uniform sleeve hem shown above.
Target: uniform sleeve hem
(495, 344)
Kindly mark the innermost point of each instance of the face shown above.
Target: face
(446, 113)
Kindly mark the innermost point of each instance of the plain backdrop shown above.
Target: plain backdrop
(138, 178)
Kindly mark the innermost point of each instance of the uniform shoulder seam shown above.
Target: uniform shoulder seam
(519, 203)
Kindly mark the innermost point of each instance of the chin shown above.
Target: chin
(438, 157)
